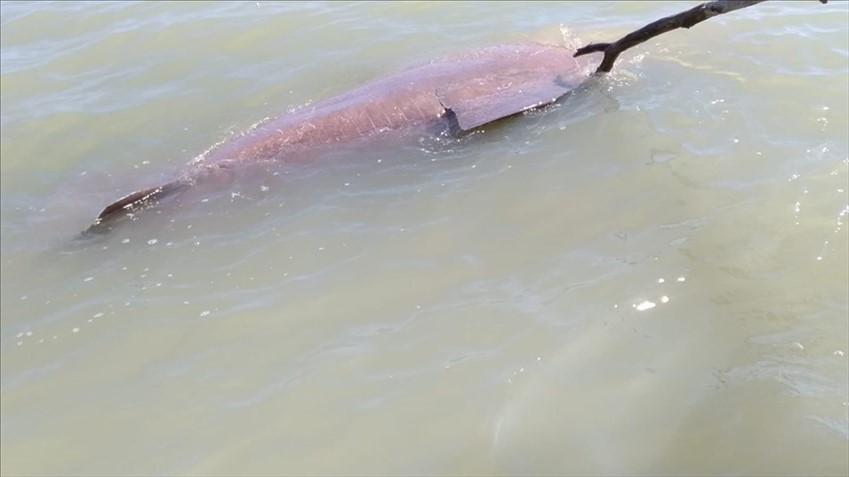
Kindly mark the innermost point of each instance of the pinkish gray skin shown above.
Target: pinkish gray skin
(454, 94)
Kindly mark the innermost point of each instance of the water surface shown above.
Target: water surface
(649, 278)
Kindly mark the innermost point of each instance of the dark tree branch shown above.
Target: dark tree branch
(682, 20)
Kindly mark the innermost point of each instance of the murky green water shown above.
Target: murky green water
(650, 278)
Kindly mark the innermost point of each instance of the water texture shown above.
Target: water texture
(648, 278)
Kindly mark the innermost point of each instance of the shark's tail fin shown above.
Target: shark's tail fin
(132, 203)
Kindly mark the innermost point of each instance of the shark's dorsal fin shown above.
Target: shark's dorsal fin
(132, 203)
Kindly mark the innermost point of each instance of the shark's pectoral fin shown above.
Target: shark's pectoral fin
(500, 101)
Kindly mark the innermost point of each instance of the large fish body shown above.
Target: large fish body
(455, 93)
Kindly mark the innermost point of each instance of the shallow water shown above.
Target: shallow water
(648, 278)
